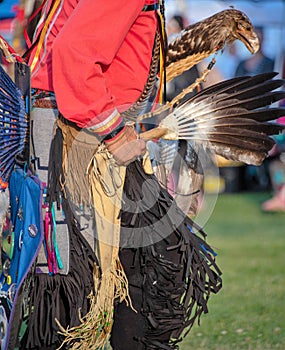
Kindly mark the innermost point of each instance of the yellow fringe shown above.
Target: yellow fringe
(95, 328)
(110, 281)
(78, 149)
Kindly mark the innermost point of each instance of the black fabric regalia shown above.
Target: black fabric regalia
(171, 270)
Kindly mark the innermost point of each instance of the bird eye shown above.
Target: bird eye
(245, 26)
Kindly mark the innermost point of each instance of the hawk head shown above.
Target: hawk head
(202, 39)
(239, 27)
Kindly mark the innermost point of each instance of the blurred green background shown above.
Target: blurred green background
(249, 311)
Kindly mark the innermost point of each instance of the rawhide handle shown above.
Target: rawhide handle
(155, 133)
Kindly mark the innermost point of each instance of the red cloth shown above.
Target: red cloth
(97, 59)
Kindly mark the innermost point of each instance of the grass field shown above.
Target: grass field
(249, 311)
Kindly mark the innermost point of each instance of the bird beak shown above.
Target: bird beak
(251, 41)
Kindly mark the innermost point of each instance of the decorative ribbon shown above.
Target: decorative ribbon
(43, 33)
(52, 251)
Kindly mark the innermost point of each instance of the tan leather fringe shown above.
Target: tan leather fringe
(105, 183)
(94, 331)
(79, 147)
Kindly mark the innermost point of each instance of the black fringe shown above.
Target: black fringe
(178, 266)
(60, 296)
(55, 172)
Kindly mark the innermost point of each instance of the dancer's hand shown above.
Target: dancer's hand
(126, 146)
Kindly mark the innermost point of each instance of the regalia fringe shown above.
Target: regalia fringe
(95, 328)
(60, 296)
(178, 266)
(79, 146)
(110, 281)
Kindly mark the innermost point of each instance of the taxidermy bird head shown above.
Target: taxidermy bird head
(200, 40)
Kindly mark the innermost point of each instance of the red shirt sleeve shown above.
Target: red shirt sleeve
(82, 52)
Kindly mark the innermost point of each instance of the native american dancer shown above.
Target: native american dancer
(120, 261)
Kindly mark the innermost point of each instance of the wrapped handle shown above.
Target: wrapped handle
(155, 133)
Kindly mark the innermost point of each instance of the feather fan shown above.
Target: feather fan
(232, 118)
